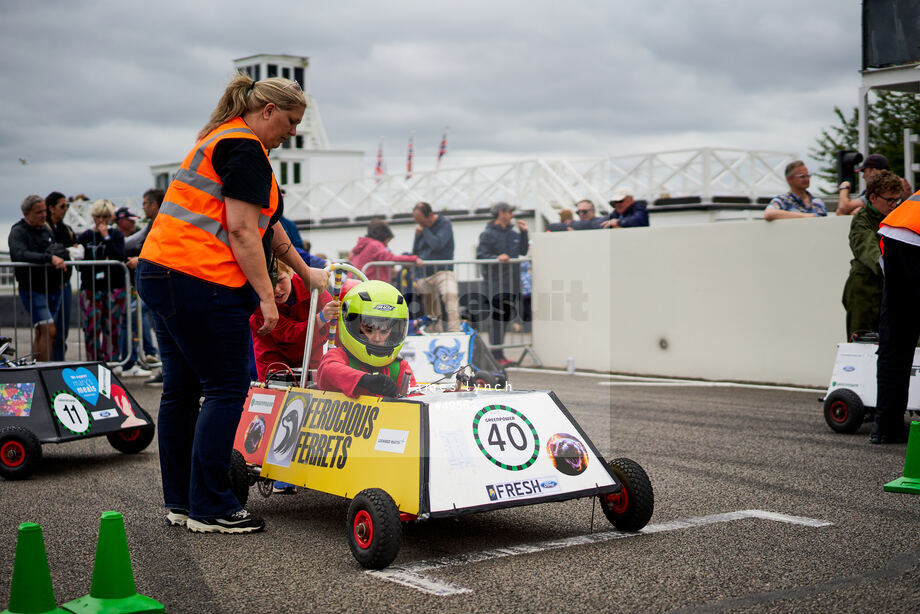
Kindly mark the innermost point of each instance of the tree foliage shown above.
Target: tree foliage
(889, 114)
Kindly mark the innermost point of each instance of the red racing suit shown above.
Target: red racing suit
(336, 374)
(285, 343)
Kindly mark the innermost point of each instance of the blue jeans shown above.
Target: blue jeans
(146, 330)
(203, 335)
(62, 324)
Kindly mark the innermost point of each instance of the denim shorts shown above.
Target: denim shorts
(43, 308)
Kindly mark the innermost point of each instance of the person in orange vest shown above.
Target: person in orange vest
(899, 324)
(203, 270)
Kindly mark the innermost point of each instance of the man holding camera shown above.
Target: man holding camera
(870, 166)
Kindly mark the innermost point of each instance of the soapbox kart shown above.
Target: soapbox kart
(60, 402)
(444, 451)
(851, 395)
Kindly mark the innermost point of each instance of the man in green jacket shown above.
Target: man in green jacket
(862, 294)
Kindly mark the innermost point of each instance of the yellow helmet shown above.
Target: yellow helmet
(368, 310)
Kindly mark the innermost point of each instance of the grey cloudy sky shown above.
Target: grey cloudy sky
(93, 92)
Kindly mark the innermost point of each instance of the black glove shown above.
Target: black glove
(379, 384)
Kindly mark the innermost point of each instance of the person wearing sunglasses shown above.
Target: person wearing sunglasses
(862, 293)
(627, 211)
(870, 166)
(586, 215)
(798, 201)
(57, 208)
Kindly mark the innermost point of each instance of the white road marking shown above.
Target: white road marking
(410, 574)
(634, 380)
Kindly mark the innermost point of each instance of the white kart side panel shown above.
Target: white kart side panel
(498, 448)
(855, 369)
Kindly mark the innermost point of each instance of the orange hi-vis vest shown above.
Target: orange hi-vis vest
(189, 233)
(906, 215)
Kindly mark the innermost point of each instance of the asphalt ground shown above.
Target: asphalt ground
(709, 451)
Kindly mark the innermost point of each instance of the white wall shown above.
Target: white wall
(749, 301)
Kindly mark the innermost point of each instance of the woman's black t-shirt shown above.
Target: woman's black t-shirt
(246, 175)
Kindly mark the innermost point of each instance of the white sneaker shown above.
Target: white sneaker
(136, 371)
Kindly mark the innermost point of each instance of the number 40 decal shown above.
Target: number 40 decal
(506, 437)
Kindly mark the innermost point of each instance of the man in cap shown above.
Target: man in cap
(870, 166)
(627, 212)
(500, 241)
(124, 220)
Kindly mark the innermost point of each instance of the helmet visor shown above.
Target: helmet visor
(378, 334)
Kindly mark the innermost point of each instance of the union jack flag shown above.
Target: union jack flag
(409, 160)
(443, 148)
(378, 170)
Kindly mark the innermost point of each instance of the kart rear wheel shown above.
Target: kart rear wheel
(844, 411)
(632, 507)
(239, 477)
(20, 452)
(374, 530)
(132, 441)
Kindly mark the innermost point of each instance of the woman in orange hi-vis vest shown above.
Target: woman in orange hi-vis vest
(203, 270)
(899, 321)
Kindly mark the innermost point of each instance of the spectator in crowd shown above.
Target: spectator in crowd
(102, 287)
(587, 216)
(862, 294)
(30, 240)
(434, 240)
(564, 223)
(627, 212)
(284, 344)
(63, 235)
(373, 248)
(870, 166)
(501, 241)
(798, 201)
(314, 261)
(125, 221)
(899, 326)
(373, 323)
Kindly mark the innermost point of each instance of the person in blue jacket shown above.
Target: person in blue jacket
(627, 212)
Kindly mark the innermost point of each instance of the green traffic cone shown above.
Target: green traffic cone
(910, 482)
(113, 590)
(30, 589)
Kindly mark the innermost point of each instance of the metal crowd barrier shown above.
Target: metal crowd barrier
(94, 332)
(490, 297)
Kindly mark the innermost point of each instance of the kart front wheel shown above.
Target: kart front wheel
(132, 441)
(239, 477)
(20, 452)
(632, 507)
(844, 411)
(374, 530)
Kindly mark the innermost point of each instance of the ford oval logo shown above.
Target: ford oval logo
(549, 484)
(848, 368)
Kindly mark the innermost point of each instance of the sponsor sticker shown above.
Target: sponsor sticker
(522, 489)
(261, 403)
(849, 368)
(102, 414)
(105, 381)
(568, 453)
(384, 307)
(506, 437)
(287, 432)
(391, 440)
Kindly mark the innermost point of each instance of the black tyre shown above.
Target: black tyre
(844, 411)
(20, 452)
(484, 379)
(632, 507)
(374, 531)
(239, 477)
(132, 441)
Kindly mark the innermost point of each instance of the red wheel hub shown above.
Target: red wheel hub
(839, 412)
(131, 435)
(12, 454)
(363, 529)
(618, 501)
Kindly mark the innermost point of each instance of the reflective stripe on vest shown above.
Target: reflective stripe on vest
(189, 234)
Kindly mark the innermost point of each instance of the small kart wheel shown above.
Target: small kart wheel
(374, 530)
(239, 477)
(844, 411)
(484, 379)
(132, 441)
(632, 507)
(20, 452)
